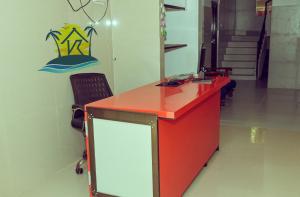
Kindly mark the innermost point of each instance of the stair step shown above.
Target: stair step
(239, 64)
(240, 57)
(245, 38)
(242, 44)
(244, 71)
(247, 51)
(247, 33)
(253, 33)
(240, 32)
(242, 67)
(243, 77)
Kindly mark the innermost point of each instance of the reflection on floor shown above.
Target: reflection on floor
(253, 162)
(259, 156)
(254, 105)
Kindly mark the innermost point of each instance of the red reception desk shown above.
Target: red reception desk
(152, 141)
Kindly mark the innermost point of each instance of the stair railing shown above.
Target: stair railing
(261, 38)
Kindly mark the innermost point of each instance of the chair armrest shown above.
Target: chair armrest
(227, 69)
(78, 111)
(220, 68)
(78, 117)
(77, 107)
(222, 71)
(212, 74)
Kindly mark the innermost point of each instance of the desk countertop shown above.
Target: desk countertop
(165, 102)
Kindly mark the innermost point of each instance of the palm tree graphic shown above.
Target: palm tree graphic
(90, 30)
(55, 38)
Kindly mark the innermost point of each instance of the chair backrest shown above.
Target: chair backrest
(89, 87)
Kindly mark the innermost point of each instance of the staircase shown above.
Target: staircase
(240, 55)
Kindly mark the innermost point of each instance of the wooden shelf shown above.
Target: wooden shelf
(171, 47)
(173, 8)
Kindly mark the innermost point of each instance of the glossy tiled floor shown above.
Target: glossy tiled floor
(259, 156)
(254, 105)
(253, 162)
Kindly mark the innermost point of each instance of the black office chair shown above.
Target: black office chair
(87, 88)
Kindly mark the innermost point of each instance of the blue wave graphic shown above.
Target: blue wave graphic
(55, 68)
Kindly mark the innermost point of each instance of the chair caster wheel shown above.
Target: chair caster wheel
(79, 170)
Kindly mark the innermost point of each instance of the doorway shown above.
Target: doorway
(214, 34)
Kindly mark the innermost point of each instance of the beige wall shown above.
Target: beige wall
(136, 43)
(207, 3)
(36, 137)
(227, 25)
(102, 43)
(227, 16)
(246, 19)
(284, 69)
(183, 27)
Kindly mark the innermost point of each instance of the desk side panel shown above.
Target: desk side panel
(123, 153)
(186, 144)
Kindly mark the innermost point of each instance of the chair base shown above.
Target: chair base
(80, 163)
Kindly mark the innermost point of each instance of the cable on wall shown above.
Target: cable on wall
(104, 14)
(83, 6)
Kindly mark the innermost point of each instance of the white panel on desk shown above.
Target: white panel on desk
(123, 155)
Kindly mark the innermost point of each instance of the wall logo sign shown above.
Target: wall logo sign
(74, 48)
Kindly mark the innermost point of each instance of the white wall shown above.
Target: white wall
(36, 137)
(136, 43)
(101, 43)
(183, 28)
(285, 2)
(284, 68)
